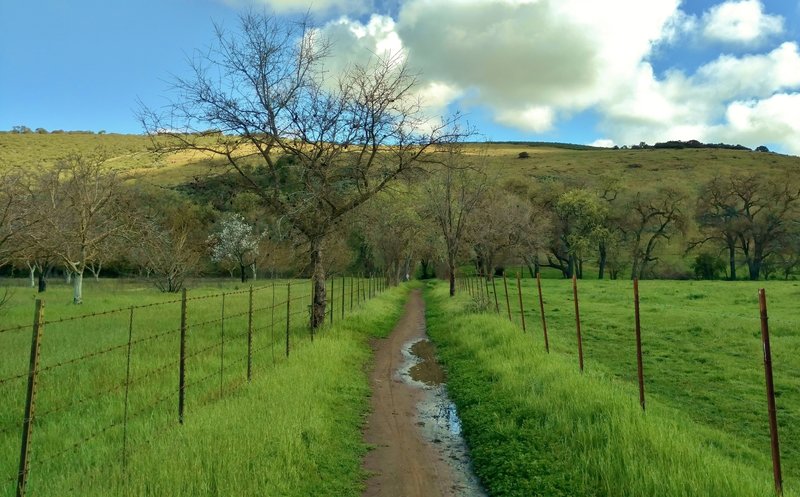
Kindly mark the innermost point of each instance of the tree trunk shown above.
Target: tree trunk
(452, 269)
(754, 267)
(254, 271)
(318, 282)
(732, 259)
(68, 276)
(77, 288)
(32, 269)
(602, 261)
(242, 274)
(42, 282)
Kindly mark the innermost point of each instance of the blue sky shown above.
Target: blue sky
(581, 71)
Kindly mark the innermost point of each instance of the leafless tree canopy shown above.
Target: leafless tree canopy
(313, 144)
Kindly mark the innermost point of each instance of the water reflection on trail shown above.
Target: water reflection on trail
(437, 416)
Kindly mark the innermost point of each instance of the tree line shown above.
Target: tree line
(321, 170)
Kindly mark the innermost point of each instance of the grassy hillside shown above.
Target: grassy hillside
(635, 168)
(575, 164)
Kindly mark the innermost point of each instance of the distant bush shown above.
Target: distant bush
(762, 148)
(707, 266)
(524, 155)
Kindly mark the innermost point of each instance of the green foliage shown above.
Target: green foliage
(707, 266)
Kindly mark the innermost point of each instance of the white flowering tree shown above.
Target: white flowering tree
(236, 241)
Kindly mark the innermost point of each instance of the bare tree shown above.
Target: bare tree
(170, 234)
(765, 209)
(500, 226)
(77, 209)
(392, 226)
(15, 213)
(451, 196)
(654, 217)
(718, 218)
(312, 144)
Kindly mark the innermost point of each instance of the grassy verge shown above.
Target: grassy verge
(538, 427)
(295, 430)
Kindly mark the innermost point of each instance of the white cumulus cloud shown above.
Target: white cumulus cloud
(741, 21)
(535, 63)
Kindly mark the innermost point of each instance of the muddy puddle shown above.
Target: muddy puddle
(437, 417)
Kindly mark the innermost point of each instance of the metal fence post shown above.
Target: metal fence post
(541, 309)
(272, 323)
(577, 321)
(288, 313)
(332, 299)
(521, 308)
(343, 285)
(351, 294)
(30, 400)
(508, 302)
(182, 360)
(639, 365)
(127, 389)
(494, 290)
(773, 418)
(250, 336)
(222, 346)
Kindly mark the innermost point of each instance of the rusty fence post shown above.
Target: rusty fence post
(577, 320)
(30, 399)
(272, 323)
(773, 418)
(639, 362)
(222, 345)
(250, 336)
(127, 390)
(541, 310)
(182, 360)
(494, 290)
(508, 302)
(521, 308)
(288, 313)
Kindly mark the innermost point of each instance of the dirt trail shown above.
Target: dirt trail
(412, 459)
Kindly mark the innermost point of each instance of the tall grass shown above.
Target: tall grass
(294, 430)
(536, 426)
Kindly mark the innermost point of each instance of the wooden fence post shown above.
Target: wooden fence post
(30, 399)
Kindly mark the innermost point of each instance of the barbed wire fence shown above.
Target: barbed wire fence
(101, 386)
(486, 294)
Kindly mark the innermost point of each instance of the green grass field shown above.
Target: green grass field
(294, 429)
(705, 431)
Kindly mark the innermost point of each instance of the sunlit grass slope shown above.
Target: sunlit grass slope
(536, 426)
(574, 164)
(295, 430)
